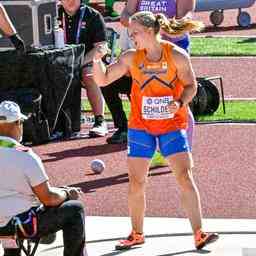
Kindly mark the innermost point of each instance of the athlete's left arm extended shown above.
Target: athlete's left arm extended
(103, 75)
(186, 74)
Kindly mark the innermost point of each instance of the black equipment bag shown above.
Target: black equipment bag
(199, 102)
(36, 128)
(55, 73)
(207, 98)
(213, 97)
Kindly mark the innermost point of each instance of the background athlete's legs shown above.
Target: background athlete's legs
(115, 106)
(190, 130)
(97, 103)
(185, 44)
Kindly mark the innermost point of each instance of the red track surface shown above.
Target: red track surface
(225, 172)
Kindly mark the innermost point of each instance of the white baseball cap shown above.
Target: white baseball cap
(10, 112)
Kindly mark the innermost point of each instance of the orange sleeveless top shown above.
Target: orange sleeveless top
(154, 85)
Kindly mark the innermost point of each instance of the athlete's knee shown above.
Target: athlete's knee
(185, 179)
(137, 184)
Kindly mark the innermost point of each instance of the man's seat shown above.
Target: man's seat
(28, 246)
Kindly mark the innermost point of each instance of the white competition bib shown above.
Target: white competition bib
(156, 107)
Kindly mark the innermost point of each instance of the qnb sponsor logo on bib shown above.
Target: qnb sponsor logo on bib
(156, 107)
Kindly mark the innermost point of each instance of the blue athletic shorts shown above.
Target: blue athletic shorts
(143, 144)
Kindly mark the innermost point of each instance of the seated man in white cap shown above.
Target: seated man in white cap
(24, 186)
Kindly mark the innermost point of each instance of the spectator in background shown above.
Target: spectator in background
(9, 30)
(24, 185)
(113, 100)
(109, 13)
(177, 9)
(84, 25)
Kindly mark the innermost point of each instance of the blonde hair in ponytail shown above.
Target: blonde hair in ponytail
(170, 26)
(178, 27)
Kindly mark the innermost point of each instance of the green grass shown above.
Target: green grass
(220, 46)
(235, 111)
